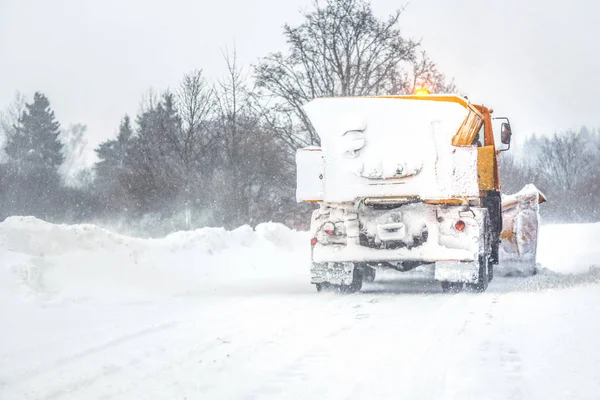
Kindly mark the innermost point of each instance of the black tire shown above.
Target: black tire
(492, 202)
(485, 263)
(368, 274)
(322, 287)
(452, 287)
(356, 285)
(445, 287)
(495, 252)
(482, 281)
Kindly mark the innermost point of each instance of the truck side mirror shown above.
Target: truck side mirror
(505, 135)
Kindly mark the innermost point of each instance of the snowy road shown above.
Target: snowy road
(528, 338)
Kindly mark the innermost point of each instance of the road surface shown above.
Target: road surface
(533, 338)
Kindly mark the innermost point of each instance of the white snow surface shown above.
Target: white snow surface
(89, 314)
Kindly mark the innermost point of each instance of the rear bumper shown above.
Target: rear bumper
(335, 264)
(353, 252)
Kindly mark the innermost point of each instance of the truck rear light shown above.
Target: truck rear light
(459, 225)
(313, 241)
(329, 228)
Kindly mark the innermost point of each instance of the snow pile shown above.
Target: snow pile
(52, 263)
(60, 262)
(569, 248)
(251, 326)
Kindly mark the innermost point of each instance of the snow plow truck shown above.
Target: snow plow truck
(407, 181)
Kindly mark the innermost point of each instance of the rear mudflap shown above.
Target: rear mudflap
(456, 271)
(335, 273)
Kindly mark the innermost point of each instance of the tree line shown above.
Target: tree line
(211, 153)
(222, 153)
(565, 166)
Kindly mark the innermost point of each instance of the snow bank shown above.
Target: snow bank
(52, 262)
(569, 248)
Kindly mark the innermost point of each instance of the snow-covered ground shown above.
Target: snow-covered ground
(89, 314)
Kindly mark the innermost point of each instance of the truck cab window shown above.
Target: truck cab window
(479, 140)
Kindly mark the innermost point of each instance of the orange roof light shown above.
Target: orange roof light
(421, 92)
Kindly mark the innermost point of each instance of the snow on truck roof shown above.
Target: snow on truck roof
(408, 115)
(372, 145)
(448, 98)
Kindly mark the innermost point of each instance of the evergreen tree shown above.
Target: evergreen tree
(153, 178)
(34, 143)
(112, 153)
(111, 170)
(34, 155)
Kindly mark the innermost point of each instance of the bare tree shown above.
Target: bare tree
(515, 173)
(235, 123)
(565, 159)
(341, 49)
(9, 119)
(149, 101)
(425, 73)
(194, 142)
(565, 164)
(254, 173)
(597, 147)
(74, 142)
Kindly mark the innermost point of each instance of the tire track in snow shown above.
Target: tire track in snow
(301, 367)
(273, 343)
(482, 358)
(341, 365)
(215, 351)
(98, 365)
(440, 335)
(68, 337)
(400, 345)
(30, 374)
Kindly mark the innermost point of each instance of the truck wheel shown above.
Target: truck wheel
(327, 287)
(353, 288)
(482, 281)
(368, 274)
(356, 285)
(494, 256)
(323, 287)
(484, 260)
(452, 287)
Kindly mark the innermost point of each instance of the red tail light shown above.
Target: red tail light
(459, 225)
(313, 241)
(329, 228)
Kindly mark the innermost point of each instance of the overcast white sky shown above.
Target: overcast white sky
(536, 61)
